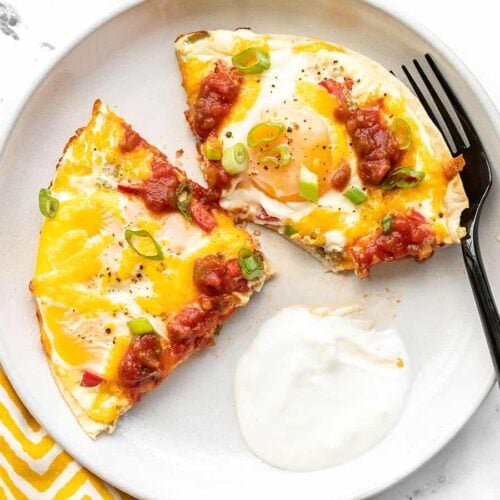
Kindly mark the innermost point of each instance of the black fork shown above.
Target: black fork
(477, 180)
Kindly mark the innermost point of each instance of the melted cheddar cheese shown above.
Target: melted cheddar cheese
(289, 92)
(88, 282)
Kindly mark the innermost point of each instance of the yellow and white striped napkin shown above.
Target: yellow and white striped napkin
(32, 465)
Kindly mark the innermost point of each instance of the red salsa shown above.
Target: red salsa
(341, 177)
(217, 178)
(90, 379)
(375, 145)
(140, 369)
(130, 140)
(216, 95)
(410, 235)
(191, 329)
(160, 193)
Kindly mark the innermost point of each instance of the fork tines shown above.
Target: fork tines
(448, 126)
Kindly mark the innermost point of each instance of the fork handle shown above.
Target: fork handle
(483, 296)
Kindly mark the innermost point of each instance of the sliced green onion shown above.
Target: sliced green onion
(184, 195)
(402, 177)
(355, 195)
(289, 231)
(402, 133)
(140, 326)
(251, 264)
(252, 61)
(279, 156)
(387, 223)
(48, 204)
(142, 233)
(213, 149)
(235, 159)
(263, 133)
(308, 187)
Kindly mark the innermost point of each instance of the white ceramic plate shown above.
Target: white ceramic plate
(182, 441)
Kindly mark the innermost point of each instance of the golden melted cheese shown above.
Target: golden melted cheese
(298, 65)
(88, 282)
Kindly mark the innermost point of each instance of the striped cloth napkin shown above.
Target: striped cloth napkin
(33, 466)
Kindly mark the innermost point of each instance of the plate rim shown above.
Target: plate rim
(411, 24)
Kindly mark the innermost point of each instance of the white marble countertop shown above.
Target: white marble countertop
(33, 33)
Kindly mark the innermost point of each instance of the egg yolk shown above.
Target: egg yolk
(306, 139)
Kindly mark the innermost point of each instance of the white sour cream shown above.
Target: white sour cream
(315, 389)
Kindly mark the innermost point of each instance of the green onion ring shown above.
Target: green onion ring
(251, 264)
(140, 326)
(272, 131)
(387, 223)
(213, 149)
(402, 133)
(252, 61)
(47, 204)
(403, 178)
(235, 159)
(279, 156)
(308, 185)
(142, 233)
(184, 195)
(355, 195)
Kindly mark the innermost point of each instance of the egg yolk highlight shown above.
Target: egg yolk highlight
(306, 139)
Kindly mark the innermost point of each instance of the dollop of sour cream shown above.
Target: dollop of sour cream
(316, 389)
